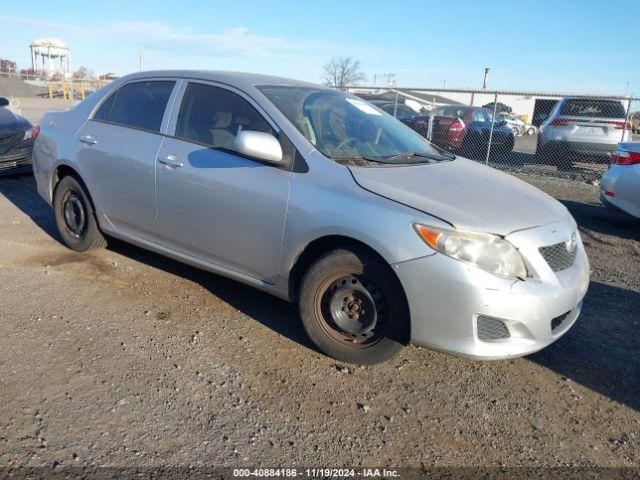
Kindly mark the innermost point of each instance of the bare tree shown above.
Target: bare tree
(7, 66)
(341, 72)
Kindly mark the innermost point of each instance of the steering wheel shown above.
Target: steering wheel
(346, 142)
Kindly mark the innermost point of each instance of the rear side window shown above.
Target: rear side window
(213, 116)
(455, 112)
(404, 110)
(586, 107)
(139, 105)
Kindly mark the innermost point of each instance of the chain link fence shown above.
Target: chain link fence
(555, 134)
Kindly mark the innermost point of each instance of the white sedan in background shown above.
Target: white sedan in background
(620, 184)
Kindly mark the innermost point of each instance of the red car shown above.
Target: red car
(467, 130)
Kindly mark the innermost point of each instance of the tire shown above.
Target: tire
(531, 131)
(507, 148)
(353, 307)
(472, 148)
(75, 218)
(546, 156)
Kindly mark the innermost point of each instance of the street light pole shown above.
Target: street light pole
(486, 77)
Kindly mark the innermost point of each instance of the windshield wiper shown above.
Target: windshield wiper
(359, 158)
(408, 155)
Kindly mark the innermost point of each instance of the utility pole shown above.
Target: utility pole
(486, 77)
(141, 61)
(391, 78)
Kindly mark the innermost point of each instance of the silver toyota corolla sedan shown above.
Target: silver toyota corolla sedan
(319, 198)
(620, 184)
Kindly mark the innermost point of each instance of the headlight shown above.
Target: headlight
(488, 252)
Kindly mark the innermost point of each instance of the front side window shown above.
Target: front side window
(138, 105)
(346, 128)
(213, 116)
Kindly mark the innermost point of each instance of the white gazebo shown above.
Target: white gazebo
(49, 56)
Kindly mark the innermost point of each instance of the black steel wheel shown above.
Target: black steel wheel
(75, 217)
(74, 213)
(353, 307)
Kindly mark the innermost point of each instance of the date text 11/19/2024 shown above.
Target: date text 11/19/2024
(316, 472)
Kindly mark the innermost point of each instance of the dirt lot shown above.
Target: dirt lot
(124, 358)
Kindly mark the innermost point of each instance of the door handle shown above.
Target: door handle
(171, 161)
(88, 140)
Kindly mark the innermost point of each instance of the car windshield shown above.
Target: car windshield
(346, 128)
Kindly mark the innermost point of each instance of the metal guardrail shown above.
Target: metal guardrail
(67, 88)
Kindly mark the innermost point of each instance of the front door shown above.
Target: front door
(213, 203)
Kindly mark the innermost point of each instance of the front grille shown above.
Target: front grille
(560, 256)
(12, 139)
(556, 322)
(490, 328)
(15, 159)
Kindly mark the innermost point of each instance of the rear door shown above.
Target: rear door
(117, 154)
(213, 203)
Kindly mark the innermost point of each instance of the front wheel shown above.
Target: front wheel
(353, 307)
(75, 218)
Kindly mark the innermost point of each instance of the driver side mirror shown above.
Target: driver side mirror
(261, 145)
(3, 102)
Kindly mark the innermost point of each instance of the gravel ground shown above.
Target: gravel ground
(125, 358)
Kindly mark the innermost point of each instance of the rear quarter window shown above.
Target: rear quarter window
(585, 107)
(138, 105)
(105, 109)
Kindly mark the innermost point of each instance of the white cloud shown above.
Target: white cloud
(155, 35)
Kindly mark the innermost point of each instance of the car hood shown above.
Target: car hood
(11, 123)
(464, 193)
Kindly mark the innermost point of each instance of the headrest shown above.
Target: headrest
(223, 120)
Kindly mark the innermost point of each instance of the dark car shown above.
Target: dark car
(16, 141)
(417, 121)
(467, 130)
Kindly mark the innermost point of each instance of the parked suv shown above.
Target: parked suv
(582, 128)
(319, 198)
(467, 130)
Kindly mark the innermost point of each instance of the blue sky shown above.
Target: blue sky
(569, 45)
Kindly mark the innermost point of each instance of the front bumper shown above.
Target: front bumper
(446, 297)
(17, 159)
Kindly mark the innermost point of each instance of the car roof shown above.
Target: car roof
(238, 79)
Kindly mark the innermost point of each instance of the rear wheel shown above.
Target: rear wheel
(547, 156)
(353, 308)
(472, 147)
(75, 217)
